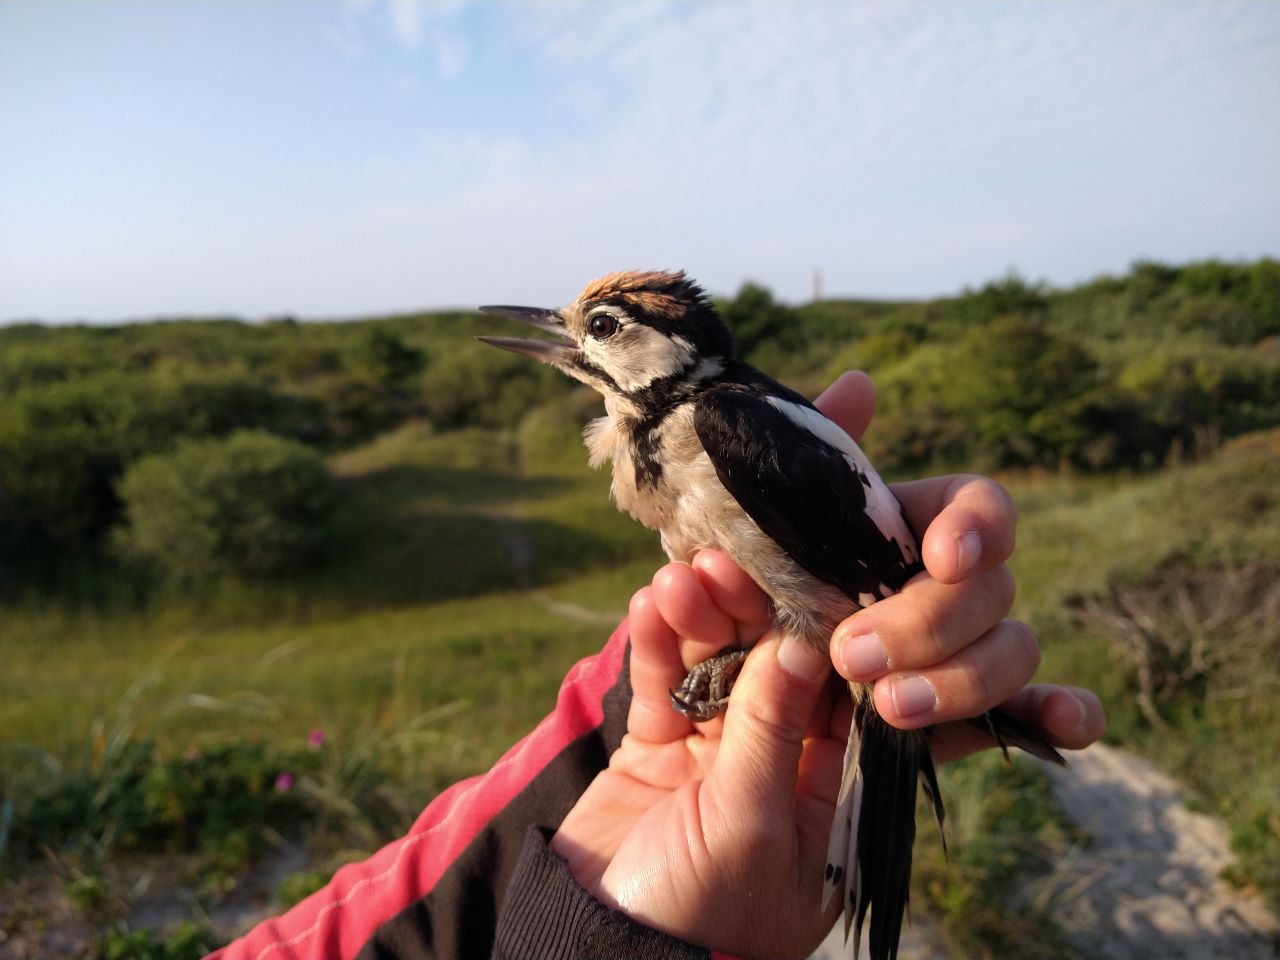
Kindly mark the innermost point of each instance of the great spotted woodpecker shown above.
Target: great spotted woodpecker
(712, 453)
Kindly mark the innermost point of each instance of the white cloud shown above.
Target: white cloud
(406, 20)
(901, 147)
(418, 25)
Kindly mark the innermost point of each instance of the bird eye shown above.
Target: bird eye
(603, 326)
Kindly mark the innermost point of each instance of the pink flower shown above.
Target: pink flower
(315, 739)
(284, 781)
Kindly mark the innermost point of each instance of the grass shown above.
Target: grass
(424, 605)
(431, 640)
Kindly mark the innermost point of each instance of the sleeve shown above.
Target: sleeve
(438, 891)
(548, 916)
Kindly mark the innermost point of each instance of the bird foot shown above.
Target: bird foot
(704, 694)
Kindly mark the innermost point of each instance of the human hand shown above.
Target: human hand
(942, 649)
(717, 832)
(714, 832)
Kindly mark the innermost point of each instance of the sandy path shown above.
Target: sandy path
(1147, 885)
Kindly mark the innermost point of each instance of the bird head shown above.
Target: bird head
(636, 336)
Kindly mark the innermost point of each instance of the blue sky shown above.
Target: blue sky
(340, 158)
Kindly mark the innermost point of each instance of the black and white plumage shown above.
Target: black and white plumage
(712, 453)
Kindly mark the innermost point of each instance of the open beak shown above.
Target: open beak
(548, 320)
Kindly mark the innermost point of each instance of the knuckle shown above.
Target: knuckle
(931, 635)
(973, 693)
(981, 689)
(1004, 587)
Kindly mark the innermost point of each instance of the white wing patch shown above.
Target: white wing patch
(882, 506)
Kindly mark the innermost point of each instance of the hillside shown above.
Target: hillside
(469, 556)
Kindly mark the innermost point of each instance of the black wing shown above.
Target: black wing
(829, 511)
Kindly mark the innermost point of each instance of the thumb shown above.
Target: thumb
(764, 728)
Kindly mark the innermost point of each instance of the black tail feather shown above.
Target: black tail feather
(929, 781)
(1006, 732)
(891, 762)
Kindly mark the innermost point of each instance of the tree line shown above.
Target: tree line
(198, 446)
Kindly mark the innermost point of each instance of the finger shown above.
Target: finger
(968, 522)
(685, 604)
(850, 402)
(656, 669)
(820, 719)
(735, 593)
(1071, 717)
(841, 718)
(979, 677)
(924, 624)
(1068, 717)
(820, 769)
(765, 726)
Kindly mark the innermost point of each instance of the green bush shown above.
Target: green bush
(1192, 396)
(1010, 392)
(216, 801)
(754, 316)
(65, 444)
(999, 298)
(477, 385)
(251, 504)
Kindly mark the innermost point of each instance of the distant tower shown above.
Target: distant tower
(817, 285)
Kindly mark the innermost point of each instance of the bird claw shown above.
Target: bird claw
(704, 694)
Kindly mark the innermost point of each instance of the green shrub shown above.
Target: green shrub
(999, 298)
(1010, 392)
(476, 385)
(387, 360)
(251, 504)
(65, 444)
(1192, 396)
(754, 317)
(219, 806)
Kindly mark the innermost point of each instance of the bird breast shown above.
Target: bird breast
(663, 478)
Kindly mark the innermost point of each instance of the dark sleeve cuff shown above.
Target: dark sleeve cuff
(548, 916)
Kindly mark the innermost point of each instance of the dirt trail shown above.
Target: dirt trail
(1147, 885)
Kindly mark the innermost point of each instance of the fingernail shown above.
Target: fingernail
(912, 696)
(801, 660)
(968, 550)
(864, 657)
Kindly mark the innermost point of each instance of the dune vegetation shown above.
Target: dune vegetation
(270, 586)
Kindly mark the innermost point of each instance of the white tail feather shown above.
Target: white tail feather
(842, 870)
